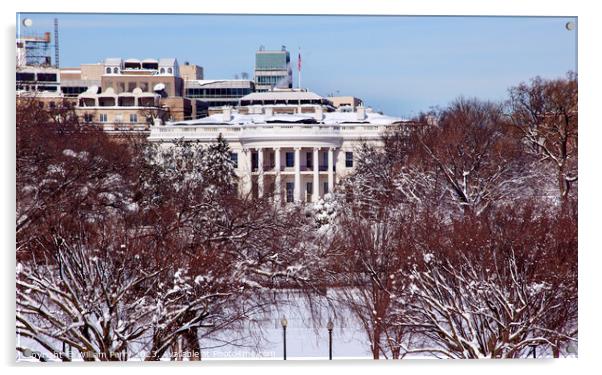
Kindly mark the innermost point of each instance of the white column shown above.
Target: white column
(316, 183)
(247, 170)
(297, 191)
(330, 169)
(260, 172)
(278, 182)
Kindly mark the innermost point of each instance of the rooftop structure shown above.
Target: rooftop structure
(148, 66)
(273, 69)
(190, 72)
(345, 102)
(34, 50)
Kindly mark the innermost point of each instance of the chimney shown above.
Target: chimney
(227, 113)
(361, 113)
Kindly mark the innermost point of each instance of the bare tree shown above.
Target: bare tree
(493, 290)
(545, 113)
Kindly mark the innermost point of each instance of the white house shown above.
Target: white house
(291, 144)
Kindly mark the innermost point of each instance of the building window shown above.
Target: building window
(88, 117)
(310, 160)
(349, 159)
(26, 77)
(108, 70)
(115, 70)
(234, 158)
(290, 159)
(169, 70)
(290, 192)
(133, 117)
(254, 160)
(103, 117)
(326, 188)
(47, 77)
(162, 71)
(309, 188)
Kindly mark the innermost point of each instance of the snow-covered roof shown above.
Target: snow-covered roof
(329, 118)
(203, 82)
(282, 95)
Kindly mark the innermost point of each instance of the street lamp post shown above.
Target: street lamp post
(284, 323)
(330, 326)
(534, 350)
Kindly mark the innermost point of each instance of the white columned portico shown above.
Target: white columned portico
(330, 169)
(316, 183)
(248, 167)
(260, 172)
(297, 191)
(277, 182)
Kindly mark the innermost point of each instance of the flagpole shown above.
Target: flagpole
(299, 70)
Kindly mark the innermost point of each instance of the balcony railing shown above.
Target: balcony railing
(250, 131)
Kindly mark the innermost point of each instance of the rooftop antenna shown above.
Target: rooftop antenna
(56, 42)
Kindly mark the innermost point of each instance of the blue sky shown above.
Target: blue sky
(400, 65)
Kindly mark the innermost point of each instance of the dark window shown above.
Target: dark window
(349, 159)
(254, 161)
(309, 188)
(290, 191)
(46, 77)
(326, 188)
(47, 88)
(25, 77)
(310, 160)
(234, 158)
(290, 159)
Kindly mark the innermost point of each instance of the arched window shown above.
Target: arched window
(108, 70)
(162, 71)
(169, 70)
(115, 70)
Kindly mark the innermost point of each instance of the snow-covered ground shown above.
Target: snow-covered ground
(262, 339)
